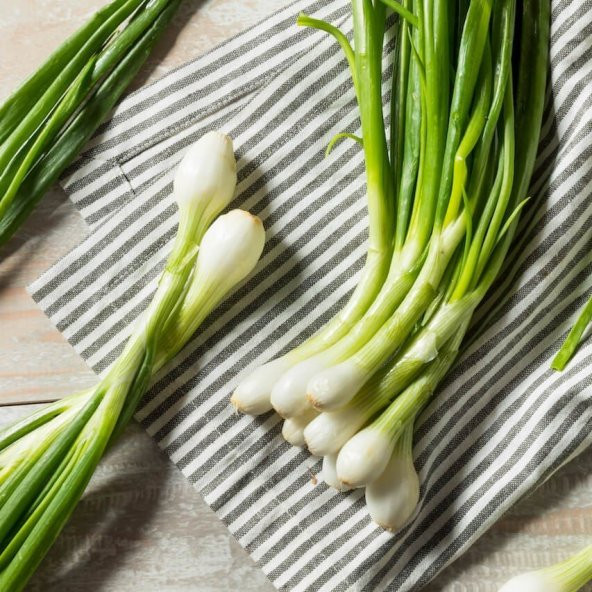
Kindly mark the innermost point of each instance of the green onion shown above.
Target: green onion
(456, 165)
(47, 460)
(567, 576)
(49, 119)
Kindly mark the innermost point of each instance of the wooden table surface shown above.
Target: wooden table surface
(140, 523)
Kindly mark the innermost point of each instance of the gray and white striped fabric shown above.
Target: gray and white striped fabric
(502, 423)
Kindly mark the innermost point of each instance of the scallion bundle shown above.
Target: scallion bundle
(48, 120)
(445, 184)
(47, 459)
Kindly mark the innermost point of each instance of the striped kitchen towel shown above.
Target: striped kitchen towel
(503, 421)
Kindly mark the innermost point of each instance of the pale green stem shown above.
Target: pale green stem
(573, 573)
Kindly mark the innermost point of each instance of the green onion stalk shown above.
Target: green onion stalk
(46, 122)
(568, 576)
(573, 339)
(47, 459)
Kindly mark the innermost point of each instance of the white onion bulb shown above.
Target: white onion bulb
(253, 393)
(330, 473)
(335, 386)
(328, 432)
(205, 179)
(229, 250)
(288, 395)
(531, 582)
(293, 428)
(364, 457)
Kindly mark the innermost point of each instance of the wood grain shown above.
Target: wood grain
(140, 524)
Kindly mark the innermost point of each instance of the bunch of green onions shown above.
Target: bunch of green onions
(47, 459)
(445, 187)
(46, 122)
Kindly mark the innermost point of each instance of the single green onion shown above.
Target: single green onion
(568, 576)
(47, 460)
